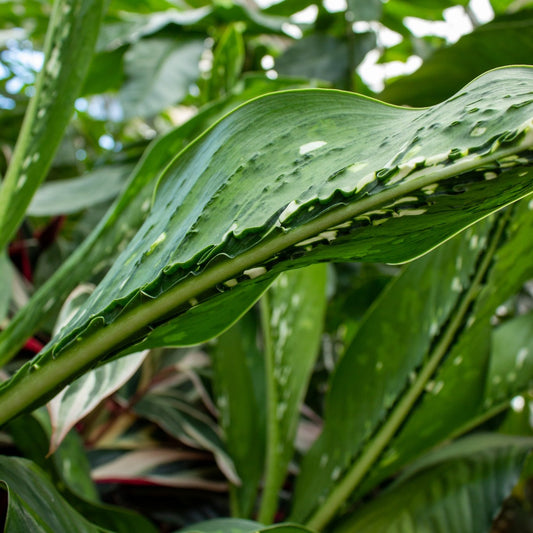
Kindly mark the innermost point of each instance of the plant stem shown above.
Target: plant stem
(38, 383)
(375, 447)
(269, 498)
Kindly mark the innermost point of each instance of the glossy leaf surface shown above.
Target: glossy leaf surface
(209, 230)
(455, 490)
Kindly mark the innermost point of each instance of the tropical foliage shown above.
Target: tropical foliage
(247, 289)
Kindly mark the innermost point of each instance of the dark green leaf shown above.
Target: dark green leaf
(34, 504)
(373, 377)
(503, 41)
(159, 72)
(69, 46)
(437, 171)
(239, 373)
(458, 489)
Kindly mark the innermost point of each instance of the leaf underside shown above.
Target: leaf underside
(326, 175)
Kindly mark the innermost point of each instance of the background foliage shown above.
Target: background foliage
(352, 396)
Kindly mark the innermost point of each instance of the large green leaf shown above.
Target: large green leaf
(69, 46)
(159, 72)
(238, 377)
(34, 503)
(473, 382)
(293, 316)
(64, 197)
(376, 383)
(505, 40)
(123, 219)
(457, 489)
(351, 178)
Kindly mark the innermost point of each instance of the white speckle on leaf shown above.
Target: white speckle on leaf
(474, 241)
(459, 262)
(255, 272)
(21, 181)
(280, 410)
(365, 180)
(521, 357)
(438, 387)
(193, 302)
(231, 283)
(291, 208)
(518, 403)
(48, 305)
(145, 206)
(41, 113)
(457, 286)
(324, 458)
(458, 360)
(479, 130)
(312, 146)
(433, 328)
(295, 299)
(409, 212)
(490, 175)
(356, 167)
(379, 366)
(336, 474)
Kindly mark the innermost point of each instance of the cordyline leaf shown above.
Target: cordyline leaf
(292, 178)
(69, 46)
(455, 489)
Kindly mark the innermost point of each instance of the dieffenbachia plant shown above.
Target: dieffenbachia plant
(283, 181)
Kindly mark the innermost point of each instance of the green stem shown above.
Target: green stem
(42, 382)
(269, 498)
(373, 450)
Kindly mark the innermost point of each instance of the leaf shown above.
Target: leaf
(238, 379)
(503, 41)
(235, 525)
(209, 230)
(69, 196)
(123, 219)
(159, 72)
(457, 489)
(511, 366)
(466, 392)
(321, 56)
(69, 468)
(373, 379)
(228, 61)
(6, 275)
(69, 45)
(224, 525)
(187, 424)
(34, 504)
(164, 467)
(79, 398)
(293, 320)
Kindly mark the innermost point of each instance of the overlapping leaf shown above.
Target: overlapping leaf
(456, 489)
(377, 182)
(69, 46)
